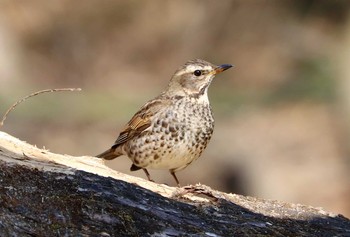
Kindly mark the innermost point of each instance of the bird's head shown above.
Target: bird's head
(194, 77)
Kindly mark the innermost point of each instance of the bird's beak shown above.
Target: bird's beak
(221, 68)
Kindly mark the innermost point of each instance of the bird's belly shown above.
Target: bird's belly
(176, 158)
(168, 153)
(171, 142)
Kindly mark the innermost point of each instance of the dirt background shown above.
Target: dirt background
(282, 114)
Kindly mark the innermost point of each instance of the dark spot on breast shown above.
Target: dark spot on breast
(164, 124)
(162, 144)
(156, 156)
(172, 129)
(178, 97)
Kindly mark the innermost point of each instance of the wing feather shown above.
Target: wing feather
(140, 121)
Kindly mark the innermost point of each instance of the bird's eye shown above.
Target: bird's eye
(197, 73)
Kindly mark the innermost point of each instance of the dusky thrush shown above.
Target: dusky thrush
(173, 129)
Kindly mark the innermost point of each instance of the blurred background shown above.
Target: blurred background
(282, 114)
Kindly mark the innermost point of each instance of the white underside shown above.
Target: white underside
(176, 160)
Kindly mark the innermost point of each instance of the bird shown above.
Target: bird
(173, 129)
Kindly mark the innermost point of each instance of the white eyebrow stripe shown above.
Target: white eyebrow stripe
(192, 68)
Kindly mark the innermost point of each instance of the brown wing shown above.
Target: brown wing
(140, 121)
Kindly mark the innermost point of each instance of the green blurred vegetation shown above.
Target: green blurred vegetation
(312, 79)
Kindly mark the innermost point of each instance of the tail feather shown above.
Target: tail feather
(108, 155)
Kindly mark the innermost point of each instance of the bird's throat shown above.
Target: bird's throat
(201, 96)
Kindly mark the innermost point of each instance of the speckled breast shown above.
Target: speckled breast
(178, 135)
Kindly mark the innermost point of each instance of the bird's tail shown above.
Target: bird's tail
(108, 155)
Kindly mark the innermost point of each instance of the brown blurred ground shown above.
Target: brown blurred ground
(281, 114)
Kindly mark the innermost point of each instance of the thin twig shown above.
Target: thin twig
(31, 95)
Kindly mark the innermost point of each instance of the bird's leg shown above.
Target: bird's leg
(177, 181)
(148, 175)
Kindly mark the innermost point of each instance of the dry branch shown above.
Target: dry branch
(31, 95)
